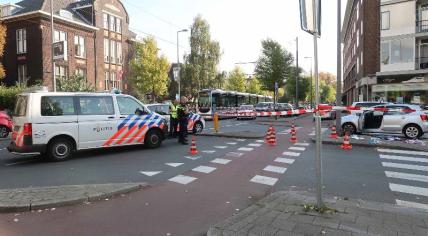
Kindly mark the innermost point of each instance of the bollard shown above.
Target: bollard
(216, 127)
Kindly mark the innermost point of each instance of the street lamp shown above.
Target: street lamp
(312, 101)
(178, 62)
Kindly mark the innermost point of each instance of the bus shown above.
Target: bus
(225, 103)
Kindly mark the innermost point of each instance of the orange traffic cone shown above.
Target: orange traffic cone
(333, 133)
(193, 150)
(346, 144)
(293, 138)
(271, 136)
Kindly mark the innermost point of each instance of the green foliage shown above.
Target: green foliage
(304, 88)
(220, 80)
(236, 80)
(2, 45)
(149, 71)
(327, 87)
(8, 97)
(254, 86)
(74, 84)
(274, 65)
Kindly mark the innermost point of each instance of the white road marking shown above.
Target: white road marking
(260, 141)
(192, 157)
(302, 144)
(221, 161)
(254, 145)
(1, 149)
(174, 164)
(208, 151)
(211, 128)
(407, 176)
(284, 160)
(150, 173)
(297, 148)
(245, 149)
(275, 169)
(182, 179)
(229, 125)
(240, 140)
(402, 152)
(220, 147)
(411, 204)
(18, 163)
(293, 154)
(404, 166)
(264, 180)
(231, 143)
(312, 134)
(409, 189)
(204, 169)
(403, 158)
(235, 154)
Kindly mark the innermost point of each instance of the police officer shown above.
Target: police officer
(182, 116)
(173, 121)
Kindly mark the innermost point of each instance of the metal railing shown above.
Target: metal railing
(421, 63)
(422, 26)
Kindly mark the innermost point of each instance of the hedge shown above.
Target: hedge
(8, 97)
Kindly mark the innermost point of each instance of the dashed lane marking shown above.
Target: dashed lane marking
(150, 173)
(264, 180)
(204, 169)
(407, 176)
(260, 141)
(183, 179)
(409, 189)
(192, 157)
(245, 149)
(403, 158)
(235, 154)
(402, 152)
(221, 161)
(302, 144)
(404, 166)
(233, 143)
(240, 140)
(1, 149)
(297, 148)
(220, 147)
(284, 160)
(293, 154)
(411, 204)
(275, 169)
(254, 145)
(208, 151)
(174, 164)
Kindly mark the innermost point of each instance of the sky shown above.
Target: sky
(238, 25)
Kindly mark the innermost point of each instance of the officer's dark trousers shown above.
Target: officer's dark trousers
(183, 131)
(173, 123)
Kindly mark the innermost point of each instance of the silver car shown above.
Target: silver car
(409, 120)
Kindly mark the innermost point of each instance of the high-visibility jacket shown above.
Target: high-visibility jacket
(173, 111)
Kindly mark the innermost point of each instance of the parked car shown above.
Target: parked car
(5, 124)
(327, 115)
(265, 107)
(405, 119)
(196, 122)
(362, 106)
(246, 112)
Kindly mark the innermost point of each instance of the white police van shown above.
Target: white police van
(56, 124)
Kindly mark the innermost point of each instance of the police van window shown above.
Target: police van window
(96, 106)
(128, 106)
(162, 109)
(57, 106)
(21, 106)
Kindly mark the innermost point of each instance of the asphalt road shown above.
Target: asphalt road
(230, 175)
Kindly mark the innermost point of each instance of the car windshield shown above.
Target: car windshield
(246, 107)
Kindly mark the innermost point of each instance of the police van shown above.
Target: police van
(57, 124)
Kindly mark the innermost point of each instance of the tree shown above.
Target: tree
(149, 70)
(3, 31)
(273, 65)
(327, 87)
(200, 66)
(304, 88)
(220, 80)
(236, 80)
(74, 84)
(254, 86)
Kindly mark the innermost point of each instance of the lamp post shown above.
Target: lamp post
(178, 62)
(52, 50)
(311, 95)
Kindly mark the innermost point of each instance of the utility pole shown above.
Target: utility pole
(52, 48)
(297, 72)
(339, 67)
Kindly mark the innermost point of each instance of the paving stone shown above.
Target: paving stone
(354, 227)
(399, 227)
(379, 230)
(332, 223)
(287, 233)
(302, 218)
(369, 221)
(283, 224)
(262, 231)
(307, 229)
(417, 230)
(335, 232)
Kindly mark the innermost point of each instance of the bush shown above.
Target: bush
(8, 97)
(74, 84)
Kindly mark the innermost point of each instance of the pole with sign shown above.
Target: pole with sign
(310, 17)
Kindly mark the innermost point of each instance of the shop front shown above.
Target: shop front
(414, 93)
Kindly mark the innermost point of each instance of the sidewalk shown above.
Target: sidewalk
(282, 213)
(27, 199)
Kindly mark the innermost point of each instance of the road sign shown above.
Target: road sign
(176, 72)
(60, 50)
(310, 16)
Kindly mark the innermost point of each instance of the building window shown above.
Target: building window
(358, 65)
(385, 20)
(118, 25)
(358, 10)
(361, 27)
(61, 72)
(22, 74)
(79, 46)
(119, 52)
(113, 52)
(113, 80)
(384, 53)
(80, 72)
(105, 21)
(106, 50)
(112, 23)
(21, 41)
(106, 80)
(361, 60)
(358, 38)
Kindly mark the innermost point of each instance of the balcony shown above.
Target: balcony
(421, 63)
(421, 26)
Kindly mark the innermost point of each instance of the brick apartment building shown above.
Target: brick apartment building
(95, 31)
(360, 38)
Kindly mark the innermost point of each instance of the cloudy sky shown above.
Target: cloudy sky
(239, 26)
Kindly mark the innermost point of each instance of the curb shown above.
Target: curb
(29, 206)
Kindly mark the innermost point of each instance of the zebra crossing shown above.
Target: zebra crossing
(407, 176)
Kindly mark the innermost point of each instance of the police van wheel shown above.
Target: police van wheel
(197, 129)
(60, 149)
(153, 139)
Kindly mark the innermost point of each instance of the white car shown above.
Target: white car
(56, 124)
(360, 107)
(196, 123)
(246, 112)
(408, 120)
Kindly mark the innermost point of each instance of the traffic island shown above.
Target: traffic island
(291, 213)
(28, 199)
(371, 141)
